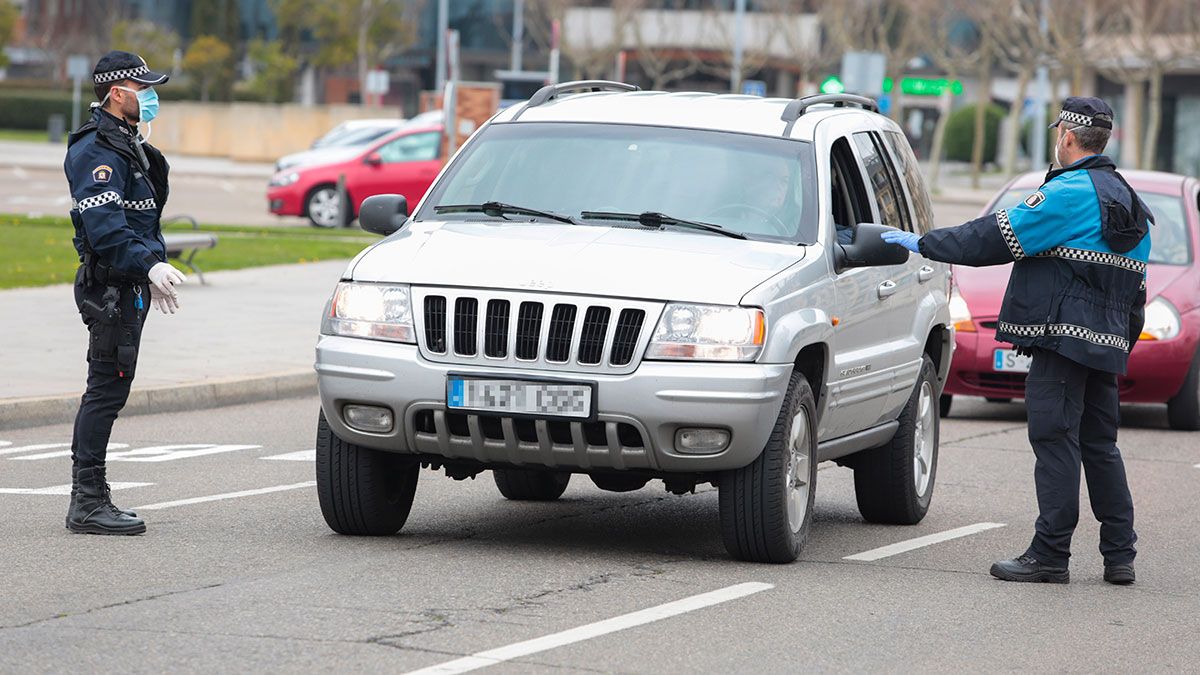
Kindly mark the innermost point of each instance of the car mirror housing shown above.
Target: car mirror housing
(383, 214)
(869, 249)
(374, 159)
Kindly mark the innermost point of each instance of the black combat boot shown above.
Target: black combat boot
(75, 488)
(92, 512)
(1120, 574)
(1027, 568)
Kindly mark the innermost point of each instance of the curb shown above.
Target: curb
(28, 412)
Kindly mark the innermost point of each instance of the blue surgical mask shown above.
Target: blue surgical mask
(147, 102)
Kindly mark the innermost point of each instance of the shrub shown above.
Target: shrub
(960, 133)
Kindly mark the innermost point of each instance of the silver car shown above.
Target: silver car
(640, 285)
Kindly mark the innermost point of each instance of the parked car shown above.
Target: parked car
(641, 285)
(405, 160)
(1164, 366)
(341, 142)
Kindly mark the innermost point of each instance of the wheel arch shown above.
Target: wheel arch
(939, 345)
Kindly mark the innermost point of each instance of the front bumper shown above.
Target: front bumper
(285, 201)
(637, 414)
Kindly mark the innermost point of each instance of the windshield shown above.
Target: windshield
(350, 137)
(1170, 243)
(761, 187)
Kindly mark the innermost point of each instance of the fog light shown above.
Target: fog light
(701, 441)
(368, 418)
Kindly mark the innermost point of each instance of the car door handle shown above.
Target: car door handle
(925, 273)
(887, 288)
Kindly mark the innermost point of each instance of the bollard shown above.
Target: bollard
(56, 127)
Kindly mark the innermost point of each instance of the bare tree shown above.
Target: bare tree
(589, 44)
(717, 26)
(805, 52)
(1069, 23)
(659, 41)
(885, 26)
(1019, 48)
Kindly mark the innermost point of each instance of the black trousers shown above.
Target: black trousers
(110, 372)
(1073, 420)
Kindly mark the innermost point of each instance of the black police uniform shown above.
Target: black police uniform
(1075, 301)
(118, 188)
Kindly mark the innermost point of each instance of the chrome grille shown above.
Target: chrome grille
(533, 330)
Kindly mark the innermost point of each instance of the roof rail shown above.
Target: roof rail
(798, 107)
(552, 91)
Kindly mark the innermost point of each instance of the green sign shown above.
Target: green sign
(911, 86)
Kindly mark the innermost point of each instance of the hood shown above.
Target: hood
(589, 260)
(319, 156)
(983, 287)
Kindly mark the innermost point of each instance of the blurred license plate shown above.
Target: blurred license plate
(1009, 361)
(558, 399)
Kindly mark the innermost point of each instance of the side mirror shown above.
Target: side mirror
(383, 214)
(869, 250)
(374, 159)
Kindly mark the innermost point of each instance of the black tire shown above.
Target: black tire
(885, 477)
(616, 482)
(944, 404)
(531, 485)
(1183, 411)
(996, 399)
(362, 491)
(315, 219)
(754, 499)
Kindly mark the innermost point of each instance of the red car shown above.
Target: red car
(1164, 366)
(402, 162)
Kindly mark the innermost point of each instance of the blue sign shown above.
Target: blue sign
(885, 104)
(754, 88)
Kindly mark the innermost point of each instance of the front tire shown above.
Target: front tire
(894, 482)
(323, 207)
(1183, 411)
(362, 491)
(531, 485)
(766, 507)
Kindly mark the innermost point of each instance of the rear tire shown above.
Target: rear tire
(1183, 411)
(766, 507)
(362, 491)
(531, 485)
(894, 482)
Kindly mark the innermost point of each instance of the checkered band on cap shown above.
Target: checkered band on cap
(1075, 118)
(118, 75)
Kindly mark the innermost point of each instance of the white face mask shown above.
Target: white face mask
(1057, 156)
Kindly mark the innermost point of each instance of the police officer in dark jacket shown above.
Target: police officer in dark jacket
(118, 188)
(1075, 302)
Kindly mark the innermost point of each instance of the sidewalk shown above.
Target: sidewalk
(35, 155)
(247, 335)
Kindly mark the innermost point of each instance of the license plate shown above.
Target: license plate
(520, 397)
(1009, 361)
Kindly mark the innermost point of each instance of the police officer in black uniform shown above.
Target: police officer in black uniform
(1075, 301)
(118, 187)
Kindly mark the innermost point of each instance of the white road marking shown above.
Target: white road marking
(919, 542)
(20, 173)
(301, 456)
(5, 444)
(157, 453)
(47, 446)
(63, 489)
(492, 657)
(227, 495)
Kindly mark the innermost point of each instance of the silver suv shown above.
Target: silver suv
(641, 285)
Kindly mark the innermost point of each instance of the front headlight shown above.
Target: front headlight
(1162, 320)
(284, 179)
(375, 311)
(960, 313)
(708, 333)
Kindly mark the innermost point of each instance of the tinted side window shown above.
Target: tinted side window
(916, 182)
(892, 210)
(411, 148)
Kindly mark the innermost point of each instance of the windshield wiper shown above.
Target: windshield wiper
(499, 209)
(658, 220)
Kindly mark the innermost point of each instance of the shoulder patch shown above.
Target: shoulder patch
(102, 173)
(1034, 200)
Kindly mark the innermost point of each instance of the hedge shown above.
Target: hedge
(960, 133)
(23, 108)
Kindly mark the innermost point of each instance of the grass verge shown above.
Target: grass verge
(38, 251)
(40, 136)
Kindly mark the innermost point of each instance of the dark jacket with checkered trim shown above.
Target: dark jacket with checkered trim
(118, 190)
(1080, 245)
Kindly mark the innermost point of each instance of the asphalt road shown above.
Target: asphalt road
(255, 581)
(231, 200)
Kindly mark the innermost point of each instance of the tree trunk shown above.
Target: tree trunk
(1153, 121)
(1014, 122)
(1077, 78)
(364, 23)
(897, 111)
(939, 139)
(205, 85)
(981, 106)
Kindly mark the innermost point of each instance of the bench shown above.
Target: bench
(183, 246)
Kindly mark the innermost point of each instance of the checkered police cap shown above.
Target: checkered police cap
(1087, 111)
(117, 65)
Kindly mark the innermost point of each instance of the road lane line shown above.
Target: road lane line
(64, 489)
(920, 542)
(301, 456)
(47, 446)
(641, 617)
(227, 495)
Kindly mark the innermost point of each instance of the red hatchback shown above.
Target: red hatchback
(403, 162)
(1164, 366)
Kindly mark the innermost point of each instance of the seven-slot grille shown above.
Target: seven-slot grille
(558, 332)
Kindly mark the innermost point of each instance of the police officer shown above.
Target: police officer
(1075, 302)
(118, 188)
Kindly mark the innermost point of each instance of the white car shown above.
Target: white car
(341, 142)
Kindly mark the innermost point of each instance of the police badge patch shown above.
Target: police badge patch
(1035, 199)
(102, 173)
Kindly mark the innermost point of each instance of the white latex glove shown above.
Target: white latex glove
(163, 278)
(167, 304)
